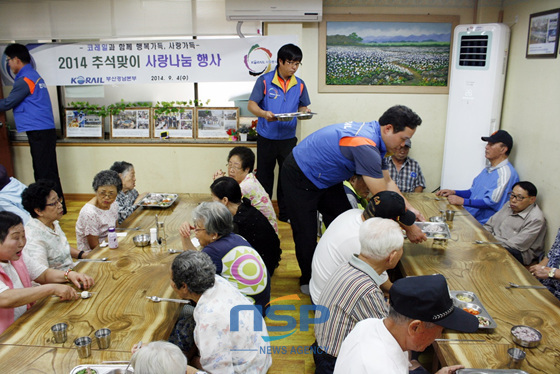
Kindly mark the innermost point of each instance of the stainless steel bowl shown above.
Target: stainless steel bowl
(524, 342)
(141, 240)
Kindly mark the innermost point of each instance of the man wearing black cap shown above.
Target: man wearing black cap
(341, 239)
(420, 308)
(489, 191)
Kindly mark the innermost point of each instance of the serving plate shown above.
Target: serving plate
(460, 300)
(434, 230)
(158, 200)
(289, 116)
(490, 371)
(102, 369)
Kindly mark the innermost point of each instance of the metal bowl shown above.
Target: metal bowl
(437, 219)
(141, 240)
(525, 342)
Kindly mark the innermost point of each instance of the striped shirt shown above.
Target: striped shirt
(351, 295)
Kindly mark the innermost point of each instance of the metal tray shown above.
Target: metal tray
(101, 369)
(284, 117)
(490, 371)
(158, 200)
(435, 230)
(475, 301)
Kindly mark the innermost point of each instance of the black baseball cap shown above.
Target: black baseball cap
(391, 205)
(500, 136)
(427, 299)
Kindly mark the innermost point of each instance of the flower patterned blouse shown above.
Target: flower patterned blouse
(96, 222)
(47, 246)
(223, 351)
(126, 204)
(252, 189)
(554, 262)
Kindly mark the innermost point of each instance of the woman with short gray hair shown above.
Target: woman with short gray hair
(159, 357)
(128, 198)
(233, 256)
(226, 330)
(99, 213)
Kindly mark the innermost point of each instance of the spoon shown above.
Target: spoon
(156, 299)
(173, 251)
(513, 285)
(483, 242)
(127, 228)
(103, 259)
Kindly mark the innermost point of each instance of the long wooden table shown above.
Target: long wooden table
(485, 270)
(119, 301)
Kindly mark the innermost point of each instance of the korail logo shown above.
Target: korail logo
(86, 80)
(258, 60)
(322, 315)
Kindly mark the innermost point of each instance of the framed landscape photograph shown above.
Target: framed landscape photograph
(542, 40)
(385, 53)
(177, 122)
(131, 123)
(215, 122)
(82, 125)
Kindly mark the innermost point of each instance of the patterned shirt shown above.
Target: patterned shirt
(126, 204)
(96, 222)
(554, 262)
(47, 246)
(351, 295)
(221, 349)
(409, 177)
(253, 190)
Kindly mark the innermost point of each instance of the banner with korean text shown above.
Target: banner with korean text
(120, 62)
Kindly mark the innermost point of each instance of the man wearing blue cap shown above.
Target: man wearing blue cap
(420, 309)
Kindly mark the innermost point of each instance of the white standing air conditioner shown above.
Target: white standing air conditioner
(274, 10)
(476, 90)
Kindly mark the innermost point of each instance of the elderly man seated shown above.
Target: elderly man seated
(520, 225)
(488, 192)
(420, 309)
(353, 292)
(224, 347)
(406, 171)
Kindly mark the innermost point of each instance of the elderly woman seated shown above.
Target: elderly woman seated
(233, 256)
(160, 357)
(241, 161)
(18, 270)
(46, 242)
(128, 197)
(248, 221)
(99, 213)
(226, 344)
(547, 270)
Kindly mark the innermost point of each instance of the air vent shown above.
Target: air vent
(473, 50)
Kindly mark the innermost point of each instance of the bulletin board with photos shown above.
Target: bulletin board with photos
(178, 122)
(214, 123)
(78, 124)
(132, 123)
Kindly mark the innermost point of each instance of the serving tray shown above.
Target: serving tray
(435, 230)
(158, 200)
(102, 369)
(290, 116)
(490, 371)
(475, 303)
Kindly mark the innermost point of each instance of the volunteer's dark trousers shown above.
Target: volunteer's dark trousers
(42, 144)
(269, 152)
(303, 201)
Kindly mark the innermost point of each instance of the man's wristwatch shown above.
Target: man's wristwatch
(552, 272)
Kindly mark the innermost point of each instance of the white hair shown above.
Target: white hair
(379, 237)
(159, 357)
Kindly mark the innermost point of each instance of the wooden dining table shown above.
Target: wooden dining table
(486, 270)
(118, 302)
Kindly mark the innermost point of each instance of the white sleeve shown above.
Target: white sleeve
(34, 268)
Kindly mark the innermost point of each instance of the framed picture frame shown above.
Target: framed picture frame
(78, 124)
(214, 123)
(131, 123)
(376, 53)
(179, 122)
(542, 37)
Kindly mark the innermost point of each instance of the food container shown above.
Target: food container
(102, 369)
(284, 117)
(460, 298)
(141, 240)
(435, 230)
(526, 336)
(158, 200)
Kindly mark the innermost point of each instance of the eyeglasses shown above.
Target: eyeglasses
(294, 63)
(59, 201)
(513, 196)
(110, 195)
(196, 229)
(234, 167)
